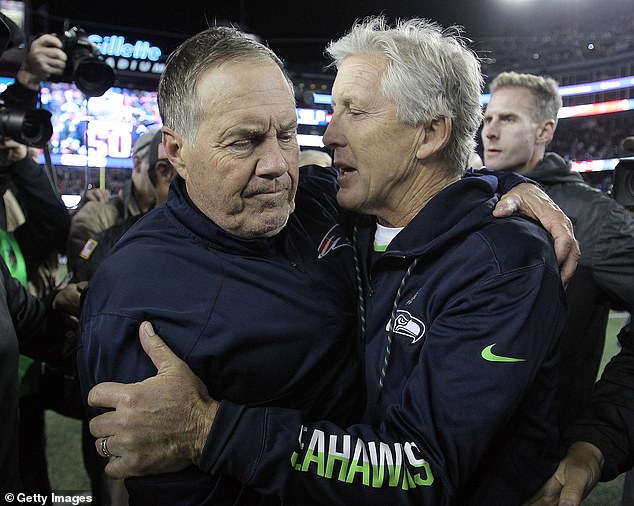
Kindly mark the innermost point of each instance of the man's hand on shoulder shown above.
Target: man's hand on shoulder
(158, 425)
(533, 202)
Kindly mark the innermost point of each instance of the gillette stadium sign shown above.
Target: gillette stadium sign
(120, 54)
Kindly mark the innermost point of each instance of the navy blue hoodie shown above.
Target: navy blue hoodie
(262, 322)
(465, 413)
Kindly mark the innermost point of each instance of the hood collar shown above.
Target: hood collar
(554, 169)
(455, 211)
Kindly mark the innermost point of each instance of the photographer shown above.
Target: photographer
(32, 211)
(34, 224)
(44, 58)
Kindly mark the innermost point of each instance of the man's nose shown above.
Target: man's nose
(490, 130)
(332, 136)
(272, 162)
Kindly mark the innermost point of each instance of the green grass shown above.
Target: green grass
(65, 464)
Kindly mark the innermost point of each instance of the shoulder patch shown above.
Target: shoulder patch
(88, 249)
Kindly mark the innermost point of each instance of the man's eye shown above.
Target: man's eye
(287, 137)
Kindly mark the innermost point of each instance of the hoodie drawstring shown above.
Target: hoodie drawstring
(360, 297)
(390, 333)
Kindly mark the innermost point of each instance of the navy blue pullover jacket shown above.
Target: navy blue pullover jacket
(261, 322)
(466, 412)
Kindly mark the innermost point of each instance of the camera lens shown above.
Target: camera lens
(31, 127)
(93, 77)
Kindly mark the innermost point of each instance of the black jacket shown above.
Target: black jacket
(262, 321)
(47, 219)
(604, 278)
(28, 327)
(608, 421)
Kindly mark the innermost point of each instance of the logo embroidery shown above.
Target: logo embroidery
(489, 356)
(407, 325)
(331, 242)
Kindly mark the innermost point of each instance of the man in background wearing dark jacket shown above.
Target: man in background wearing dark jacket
(519, 122)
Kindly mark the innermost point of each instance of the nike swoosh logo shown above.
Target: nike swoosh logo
(489, 356)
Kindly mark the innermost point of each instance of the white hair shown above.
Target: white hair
(431, 74)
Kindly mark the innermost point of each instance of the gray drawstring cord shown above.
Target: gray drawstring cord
(390, 334)
(360, 297)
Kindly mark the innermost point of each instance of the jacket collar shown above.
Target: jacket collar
(205, 230)
(554, 169)
(455, 211)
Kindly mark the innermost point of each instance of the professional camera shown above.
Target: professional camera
(85, 66)
(31, 127)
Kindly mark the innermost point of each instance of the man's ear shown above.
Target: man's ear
(174, 145)
(434, 137)
(545, 131)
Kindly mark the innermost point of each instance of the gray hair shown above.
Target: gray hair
(545, 90)
(431, 74)
(179, 105)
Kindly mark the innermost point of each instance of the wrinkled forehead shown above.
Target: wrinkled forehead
(359, 74)
(236, 82)
(247, 97)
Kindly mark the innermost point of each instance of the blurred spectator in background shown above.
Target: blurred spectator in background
(136, 198)
(151, 158)
(519, 122)
(159, 172)
(314, 157)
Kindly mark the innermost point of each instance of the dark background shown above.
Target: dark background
(299, 30)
